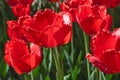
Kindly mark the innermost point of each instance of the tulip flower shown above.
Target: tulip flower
(15, 2)
(21, 58)
(21, 10)
(107, 3)
(105, 48)
(47, 28)
(71, 6)
(20, 7)
(93, 18)
(14, 30)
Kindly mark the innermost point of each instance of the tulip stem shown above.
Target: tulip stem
(25, 77)
(113, 16)
(31, 74)
(59, 66)
(86, 51)
(4, 21)
(96, 74)
(100, 76)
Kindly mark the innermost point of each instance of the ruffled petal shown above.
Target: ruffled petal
(105, 40)
(48, 28)
(15, 2)
(36, 55)
(106, 51)
(102, 42)
(12, 2)
(59, 33)
(20, 58)
(44, 18)
(93, 18)
(71, 6)
(21, 10)
(26, 2)
(14, 30)
(108, 62)
(109, 4)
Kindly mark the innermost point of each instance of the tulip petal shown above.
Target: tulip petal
(108, 62)
(20, 58)
(93, 18)
(109, 4)
(99, 43)
(48, 28)
(14, 30)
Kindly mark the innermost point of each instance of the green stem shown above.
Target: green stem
(59, 67)
(61, 61)
(25, 77)
(86, 51)
(96, 74)
(113, 22)
(100, 75)
(31, 75)
(72, 48)
(4, 22)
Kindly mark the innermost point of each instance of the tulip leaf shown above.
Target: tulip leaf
(108, 77)
(47, 78)
(50, 61)
(36, 71)
(77, 67)
(3, 68)
(66, 77)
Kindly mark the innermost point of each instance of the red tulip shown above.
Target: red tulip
(93, 18)
(26, 2)
(72, 5)
(108, 3)
(12, 2)
(20, 7)
(53, 0)
(21, 10)
(14, 30)
(105, 47)
(15, 2)
(48, 28)
(20, 57)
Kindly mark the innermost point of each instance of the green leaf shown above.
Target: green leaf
(50, 61)
(92, 76)
(3, 68)
(35, 72)
(67, 77)
(109, 77)
(77, 67)
(47, 78)
(68, 59)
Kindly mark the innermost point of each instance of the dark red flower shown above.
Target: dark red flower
(93, 18)
(48, 28)
(20, 57)
(72, 5)
(26, 2)
(14, 30)
(20, 7)
(15, 2)
(105, 47)
(12, 2)
(21, 10)
(108, 3)
(53, 0)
